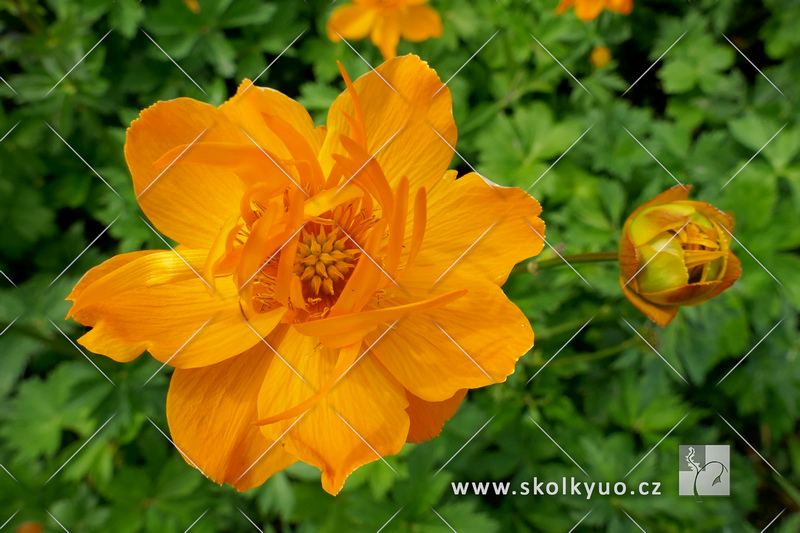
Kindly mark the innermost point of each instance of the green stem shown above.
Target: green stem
(591, 257)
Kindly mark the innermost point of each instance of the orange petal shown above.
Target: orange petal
(428, 418)
(587, 10)
(210, 412)
(418, 23)
(477, 342)
(623, 7)
(155, 304)
(661, 315)
(110, 265)
(406, 117)
(733, 271)
(461, 211)
(367, 398)
(351, 21)
(563, 6)
(658, 219)
(188, 203)
(385, 33)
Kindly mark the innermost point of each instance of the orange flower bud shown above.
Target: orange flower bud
(600, 57)
(30, 527)
(675, 252)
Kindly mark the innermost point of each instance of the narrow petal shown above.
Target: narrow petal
(351, 21)
(409, 116)
(188, 203)
(459, 214)
(385, 33)
(472, 342)
(418, 23)
(157, 303)
(661, 315)
(362, 417)
(428, 418)
(211, 411)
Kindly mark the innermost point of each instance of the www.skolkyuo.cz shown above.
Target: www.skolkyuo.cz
(567, 487)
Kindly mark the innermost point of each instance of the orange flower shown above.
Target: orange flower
(600, 56)
(329, 282)
(385, 21)
(194, 5)
(587, 10)
(675, 252)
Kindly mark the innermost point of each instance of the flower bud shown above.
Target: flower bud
(675, 252)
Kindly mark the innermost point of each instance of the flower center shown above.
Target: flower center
(323, 262)
(701, 249)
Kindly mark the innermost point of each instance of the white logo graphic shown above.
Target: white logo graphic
(704, 470)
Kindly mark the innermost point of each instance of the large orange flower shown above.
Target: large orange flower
(336, 290)
(588, 10)
(385, 21)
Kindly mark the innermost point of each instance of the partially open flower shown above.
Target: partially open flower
(336, 289)
(675, 252)
(384, 22)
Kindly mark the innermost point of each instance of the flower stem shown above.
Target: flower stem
(591, 257)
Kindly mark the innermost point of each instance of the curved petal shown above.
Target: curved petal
(351, 21)
(418, 23)
(362, 417)
(108, 266)
(483, 231)
(661, 315)
(211, 411)
(188, 203)
(428, 418)
(157, 303)
(733, 271)
(408, 111)
(385, 33)
(587, 10)
(472, 342)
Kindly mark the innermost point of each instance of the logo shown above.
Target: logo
(704, 470)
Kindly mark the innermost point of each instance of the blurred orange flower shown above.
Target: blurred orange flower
(675, 252)
(385, 21)
(588, 10)
(329, 282)
(600, 56)
(194, 5)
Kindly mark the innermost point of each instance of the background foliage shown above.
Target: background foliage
(607, 398)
